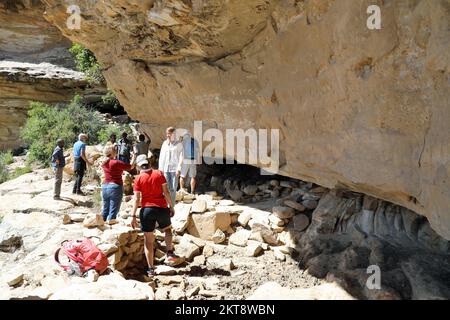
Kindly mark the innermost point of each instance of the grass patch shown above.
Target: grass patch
(20, 171)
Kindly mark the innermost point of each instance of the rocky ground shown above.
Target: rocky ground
(274, 239)
(33, 225)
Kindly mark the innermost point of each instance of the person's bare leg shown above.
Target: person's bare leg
(168, 239)
(193, 184)
(182, 183)
(149, 240)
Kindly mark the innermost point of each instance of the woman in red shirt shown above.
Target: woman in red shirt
(112, 188)
(152, 194)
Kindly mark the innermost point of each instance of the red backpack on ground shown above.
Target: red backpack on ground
(83, 255)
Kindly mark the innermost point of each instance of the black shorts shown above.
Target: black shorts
(150, 215)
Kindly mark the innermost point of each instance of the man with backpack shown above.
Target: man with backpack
(124, 148)
(80, 162)
(58, 164)
(190, 161)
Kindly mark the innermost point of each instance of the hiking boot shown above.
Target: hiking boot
(111, 222)
(56, 198)
(150, 272)
(173, 260)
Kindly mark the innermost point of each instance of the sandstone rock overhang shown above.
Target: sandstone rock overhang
(357, 108)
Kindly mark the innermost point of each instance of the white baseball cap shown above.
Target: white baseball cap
(141, 160)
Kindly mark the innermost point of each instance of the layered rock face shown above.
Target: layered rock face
(21, 83)
(35, 65)
(356, 108)
(25, 36)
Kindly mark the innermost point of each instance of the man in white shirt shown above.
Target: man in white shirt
(170, 160)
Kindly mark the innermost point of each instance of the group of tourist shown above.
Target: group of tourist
(154, 189)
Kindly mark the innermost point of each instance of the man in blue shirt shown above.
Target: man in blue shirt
(191, 154)
(58, 164)
(80, 161)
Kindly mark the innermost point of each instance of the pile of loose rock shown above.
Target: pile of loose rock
(201, 222)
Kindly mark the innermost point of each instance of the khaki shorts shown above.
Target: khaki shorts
(188, 169)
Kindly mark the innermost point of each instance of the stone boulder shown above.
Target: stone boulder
(273, 291)
(107, 289)
(205, 225)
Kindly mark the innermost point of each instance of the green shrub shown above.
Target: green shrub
(87, 63)
(7, 157)
(45, 124)
(117, 129)
(20, 171)
(110, 99)
(4, 176)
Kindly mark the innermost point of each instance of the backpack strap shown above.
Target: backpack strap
(57, 260)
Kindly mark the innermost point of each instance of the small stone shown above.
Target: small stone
(278, 229)
(273, 219)
(294, 205)
(199, 206)
(250, 190)
(186, 250)
(91, 276)
(319, 190)
(244, 218)
(208, 250)
(226, 203)
(310, 204)
(300, 222)
(219, 236)
(177, 294)
(162, 293)
(77, 217)
(235, 195)
(240, 238)
(166, 280)
(310, 196)
(253, 250)
(209, 293)
(199, 260)
(275, 193)
(283, 212)
(66, 219)
(93, 220)
(238, 273)
(279, 255)
(193, 292)
(288, 184)
(13, 278)
(217, 262)
(268, 236)
(274, 183)
(108, 248)
(165, 270)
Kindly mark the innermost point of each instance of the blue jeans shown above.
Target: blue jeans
(112, 198)
(172, 184)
